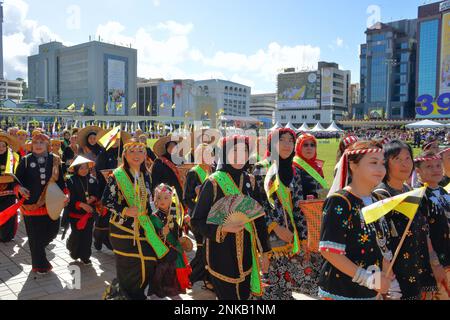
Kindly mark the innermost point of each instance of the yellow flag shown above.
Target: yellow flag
(162, 105)
(71, 107)
(174, 106)
(149, 109)
(82, 108)
(406, 203)
(447, 188)
(134, 106)
(107, 107)
(119, 106)
(93, 107)
(108, 140)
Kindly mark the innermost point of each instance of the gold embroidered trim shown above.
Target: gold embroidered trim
(133, 255)
(125, 237)
(240, 250)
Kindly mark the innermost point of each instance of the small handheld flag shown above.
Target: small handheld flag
(109, 139)
(406, 203)
(71, 107)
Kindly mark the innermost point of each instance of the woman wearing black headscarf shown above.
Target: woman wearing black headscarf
(90, 149)
(229, 248)
(291, 265)
(164, 169)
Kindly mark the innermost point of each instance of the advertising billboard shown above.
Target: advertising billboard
(297, 90)
(444, 83)
(327, 87)
(116, 87)
(427, 107)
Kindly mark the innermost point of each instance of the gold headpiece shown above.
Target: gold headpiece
(134, 146)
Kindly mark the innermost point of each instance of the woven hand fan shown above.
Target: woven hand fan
(234, 209)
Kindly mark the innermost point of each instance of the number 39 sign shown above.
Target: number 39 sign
(430, 108)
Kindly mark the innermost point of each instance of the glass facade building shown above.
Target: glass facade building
(388, 70)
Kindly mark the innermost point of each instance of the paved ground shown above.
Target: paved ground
(18, 282)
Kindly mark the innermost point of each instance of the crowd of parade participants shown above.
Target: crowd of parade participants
(153, 206)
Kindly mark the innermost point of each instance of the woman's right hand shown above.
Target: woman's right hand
(233, 227)
(385, 283)
(284, 234)
(132, 212)
(24, 192)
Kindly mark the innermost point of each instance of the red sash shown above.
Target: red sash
(172, 166)
(82, 219)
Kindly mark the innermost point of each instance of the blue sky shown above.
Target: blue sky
(246, 41)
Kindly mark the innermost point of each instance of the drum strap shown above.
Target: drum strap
(174, 169)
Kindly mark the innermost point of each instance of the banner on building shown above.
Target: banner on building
(444, 86)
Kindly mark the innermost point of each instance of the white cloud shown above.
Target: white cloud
(22, 38)
(176, 28)
(164, 50)
(156, 3)
(339, 42)
(156, 58)
(266, 63)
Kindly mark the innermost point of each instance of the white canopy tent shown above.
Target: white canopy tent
(291, 126)
(425, 124)
(334, 128)
(276, 126)
(304, 128)
(318, 128)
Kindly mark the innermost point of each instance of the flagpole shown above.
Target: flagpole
(397, 252)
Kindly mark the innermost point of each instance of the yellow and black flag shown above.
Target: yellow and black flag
(406, 203)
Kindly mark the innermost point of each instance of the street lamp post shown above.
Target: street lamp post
(389, 64)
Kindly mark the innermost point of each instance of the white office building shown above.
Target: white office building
(11, 90)
(262, 107)
(232, 97)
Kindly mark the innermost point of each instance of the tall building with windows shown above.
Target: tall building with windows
(320, 95)
(388, 70)
(262, 107)
(11, 89)
(159, 97)
(233, 98)
(92, 73)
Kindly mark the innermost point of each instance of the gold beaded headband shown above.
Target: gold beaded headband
(134, 146)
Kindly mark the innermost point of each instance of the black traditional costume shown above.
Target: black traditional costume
(412, 267)
(8, 211)
(231, 258)
(194, 180)
(83, 190)
(34, 173)
(136, 244)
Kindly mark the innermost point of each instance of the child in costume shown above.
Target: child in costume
(172, 272)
